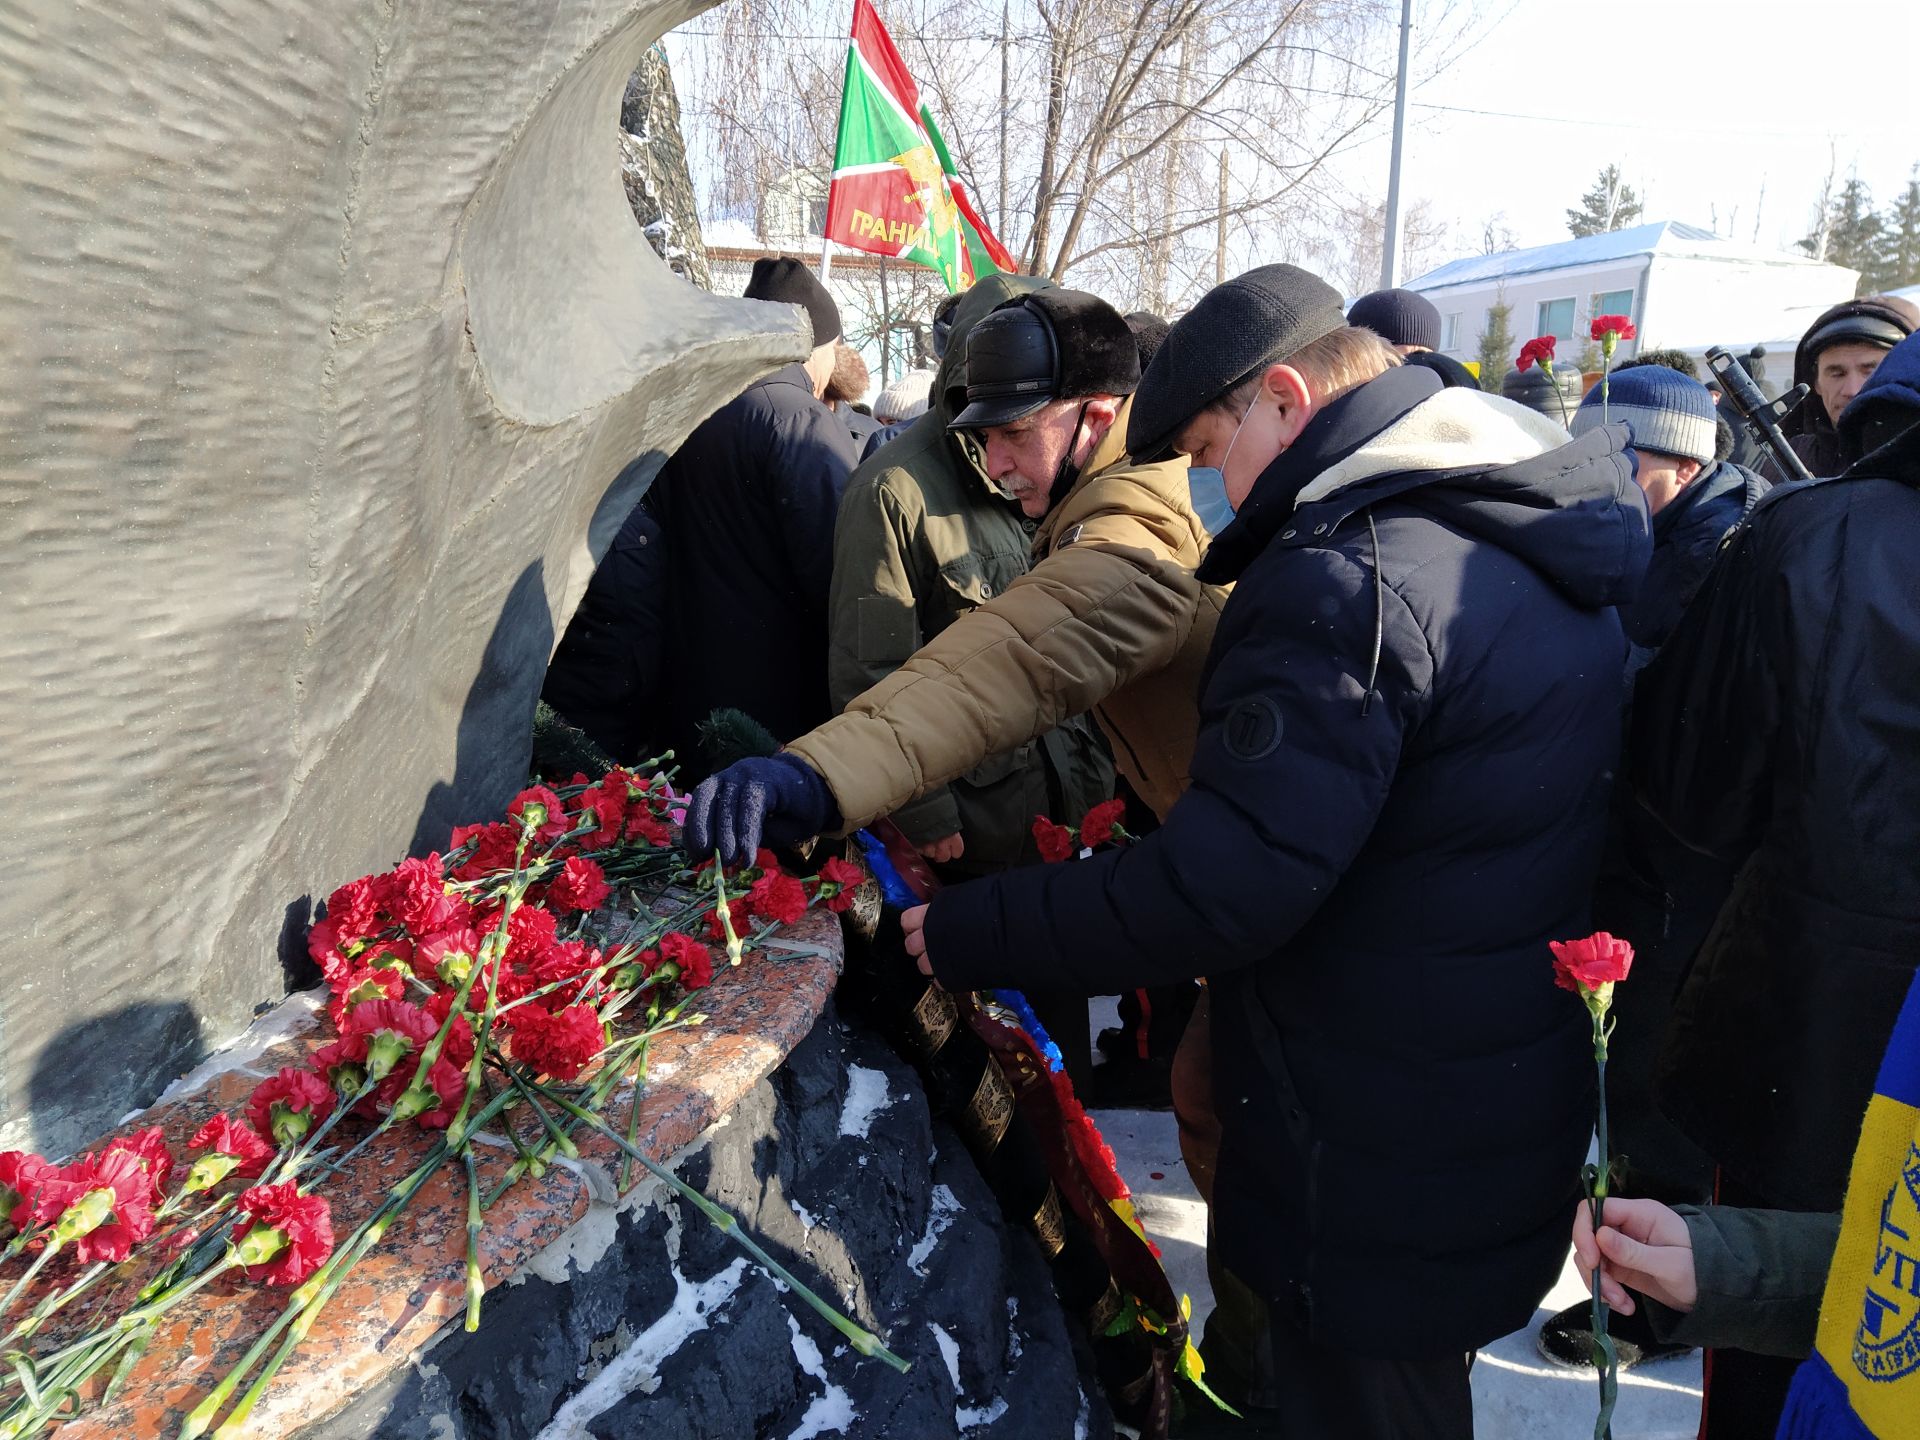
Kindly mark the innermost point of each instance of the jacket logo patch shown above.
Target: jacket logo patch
(1072, 534)
(1253, 729)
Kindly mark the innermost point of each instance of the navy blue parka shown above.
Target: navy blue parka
(1409, 724)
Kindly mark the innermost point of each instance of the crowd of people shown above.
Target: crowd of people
(1399, 681)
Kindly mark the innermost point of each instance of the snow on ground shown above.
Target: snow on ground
(1516, 1394)
(866, 1098)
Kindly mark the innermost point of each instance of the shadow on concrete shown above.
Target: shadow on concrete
(494, 743)
(96, 1070)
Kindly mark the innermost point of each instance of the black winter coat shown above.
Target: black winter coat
(1780, 729)
(1409, 720)
(1686, 538)
(606, 675)
(747, 509)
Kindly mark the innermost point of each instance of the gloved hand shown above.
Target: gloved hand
(778, 801)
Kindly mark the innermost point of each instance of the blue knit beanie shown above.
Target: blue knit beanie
(1667, 412)
(1399, 317)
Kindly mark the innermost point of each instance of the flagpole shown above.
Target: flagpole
(826, 260)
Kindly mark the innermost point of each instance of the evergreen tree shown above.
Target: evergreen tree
(1856, 236)
(1496, 347)
(1902, 252)
(1609, 205)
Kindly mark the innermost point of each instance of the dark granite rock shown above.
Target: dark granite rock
(668, 1332)
(653, 167)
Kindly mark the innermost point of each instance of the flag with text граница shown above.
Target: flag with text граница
(895, 191)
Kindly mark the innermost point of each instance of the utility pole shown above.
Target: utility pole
(1390, 244)
(1220, 233)
(1005, 92)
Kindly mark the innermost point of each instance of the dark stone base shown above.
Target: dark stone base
(660, 1327)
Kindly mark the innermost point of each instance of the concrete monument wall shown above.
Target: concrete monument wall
(324, 330)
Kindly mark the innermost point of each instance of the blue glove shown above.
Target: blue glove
(751, 803)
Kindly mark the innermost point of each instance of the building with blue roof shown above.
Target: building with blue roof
(1683, 287)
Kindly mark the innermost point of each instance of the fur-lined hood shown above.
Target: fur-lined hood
(1480, 463)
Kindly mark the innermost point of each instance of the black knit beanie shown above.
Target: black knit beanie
(1398, 317)
(787, 280)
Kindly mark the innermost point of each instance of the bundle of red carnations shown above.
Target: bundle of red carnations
(464, 987)
(1100, 825)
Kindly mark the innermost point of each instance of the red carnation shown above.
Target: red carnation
(21, 1175)
(445, 958)
(419, 898)
(149, 1148)
(285, 1106)
(224, 1136)
(1608, 328)
(99, 1204)
(1585, 966)
(356, 985)
(291, 1232)
(541, 808)
(1538, 350)
(779, 897)
(1055, 841)
(643, 824)
(693, 958)
(354, 908)
(392, 1029)
(559, 1045)
(580, 885)
(494, 847)
(847, 876)
(446, 1079)
(322, 943)
(530, 933)
(607, 804)
(1102, 822)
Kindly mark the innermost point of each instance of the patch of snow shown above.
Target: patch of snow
(949, 1352)
(1013, 1330)
(806, 1220)
(866, 1097)
(944, 1207)
(291, 1016)
(638, 1366)
(968, 1419)
(830, 1413)
(1080, 1418)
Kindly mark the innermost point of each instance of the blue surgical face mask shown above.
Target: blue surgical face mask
(1208, 487)
(1208, 484)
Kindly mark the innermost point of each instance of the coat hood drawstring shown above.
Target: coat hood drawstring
(1379, 619)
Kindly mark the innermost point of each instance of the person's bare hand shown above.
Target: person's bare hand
(947, 847)
(1645, 1246)
(913, 928)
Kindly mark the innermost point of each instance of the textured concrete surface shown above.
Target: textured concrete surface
(327, 329)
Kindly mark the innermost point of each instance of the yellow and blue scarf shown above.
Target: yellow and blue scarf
(1863, 1379)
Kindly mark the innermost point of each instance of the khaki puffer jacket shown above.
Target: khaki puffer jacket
(1110, 619)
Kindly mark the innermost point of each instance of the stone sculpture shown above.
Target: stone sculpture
(324, 333)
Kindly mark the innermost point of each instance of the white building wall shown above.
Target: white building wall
(1526, 293)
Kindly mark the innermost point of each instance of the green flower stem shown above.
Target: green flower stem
(863, 1341)
(312, 1295)
(49, 1306)
(288, 1163)
(734, 950)
(1605, 1357)
(633, 1119)
(557, 1138)
(476, 1283)
(32, 1271)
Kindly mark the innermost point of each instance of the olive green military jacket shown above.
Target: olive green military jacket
(922, 539)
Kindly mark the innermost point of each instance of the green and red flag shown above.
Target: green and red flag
(895, 191)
